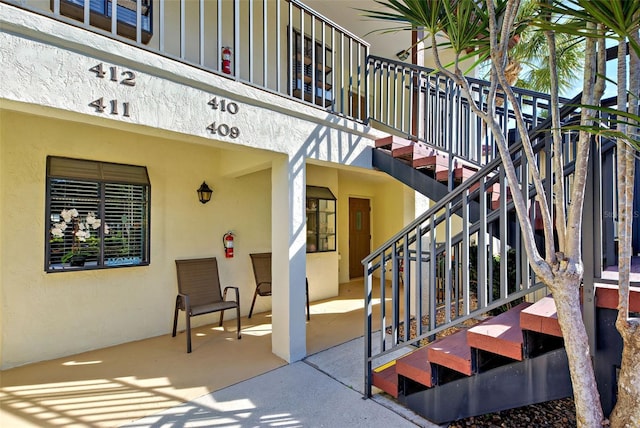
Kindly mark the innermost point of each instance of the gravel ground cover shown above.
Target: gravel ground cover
(552, 414)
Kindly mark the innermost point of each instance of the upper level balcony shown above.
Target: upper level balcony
(280, 46)
(287, 48)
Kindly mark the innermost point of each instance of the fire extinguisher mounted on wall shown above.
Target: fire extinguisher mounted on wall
(227, 241)
(226, 60)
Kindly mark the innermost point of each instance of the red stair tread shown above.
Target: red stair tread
(433, 161)
(392, 142)
(403, 152)
(500, 335)
(452, 351)
(541, 317)
(607, 297)
(460, 173)
(495, 195)
(411, 152)
(464, 173)
(399, 147)
(386, 379)
(415, 366)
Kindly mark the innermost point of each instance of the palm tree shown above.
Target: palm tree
(532, 51)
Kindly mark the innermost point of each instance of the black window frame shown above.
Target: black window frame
(321, 221)
(100, 16)
(118, 195)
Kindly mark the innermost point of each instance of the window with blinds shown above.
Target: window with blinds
(97, 215)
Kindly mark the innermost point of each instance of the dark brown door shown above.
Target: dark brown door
(359, 235)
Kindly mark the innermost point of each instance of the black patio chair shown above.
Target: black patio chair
(199, 293)
(261, 263)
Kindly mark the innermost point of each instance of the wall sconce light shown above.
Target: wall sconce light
(204, 193)
(402, 55)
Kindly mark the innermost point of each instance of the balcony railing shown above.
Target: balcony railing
(281, 46)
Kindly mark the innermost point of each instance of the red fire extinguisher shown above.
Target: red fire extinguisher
(227, 241)
(226, 60)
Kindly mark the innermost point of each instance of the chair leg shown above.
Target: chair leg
(253, 302)
(238, 320)
(221, 318)
(308, 311)
(175, 316)
(188, 332)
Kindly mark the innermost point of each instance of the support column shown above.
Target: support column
(418, 107)
(592, 243)
(288, 229)
(420, 286)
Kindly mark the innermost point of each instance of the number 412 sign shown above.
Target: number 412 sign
(122, 77)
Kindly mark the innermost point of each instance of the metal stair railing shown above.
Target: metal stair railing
(426, 106)
(469, 271)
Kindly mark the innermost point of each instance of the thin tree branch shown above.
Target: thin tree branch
(559, 200)
(574, 218)
(498, 62)
(626, 182)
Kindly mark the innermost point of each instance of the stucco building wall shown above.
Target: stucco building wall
(46, 95)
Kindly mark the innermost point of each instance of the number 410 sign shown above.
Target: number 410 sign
(223, 129)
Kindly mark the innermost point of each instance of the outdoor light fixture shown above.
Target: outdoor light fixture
(402, 55)
(204, 193)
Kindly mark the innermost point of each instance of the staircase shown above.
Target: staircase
(481, 369)
(510, 360)
(477, 329)
(434, 165)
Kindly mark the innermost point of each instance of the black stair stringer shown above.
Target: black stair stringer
(518, 384)
(419, 181)
(408, 175)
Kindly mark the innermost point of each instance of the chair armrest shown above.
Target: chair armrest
(224, 295)
(185, 302)
(266, 284)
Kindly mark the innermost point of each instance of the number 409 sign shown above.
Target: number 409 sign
(223, 129)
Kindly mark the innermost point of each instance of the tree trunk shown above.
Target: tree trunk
(585, 390)
(627, 411)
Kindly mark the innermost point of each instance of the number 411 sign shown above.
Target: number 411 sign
(125, 77)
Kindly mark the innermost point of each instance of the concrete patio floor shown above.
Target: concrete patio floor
(118, 385)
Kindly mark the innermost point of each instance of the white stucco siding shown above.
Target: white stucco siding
(49, 315)
(322, 268)
(167, 95)
(386, 200)
(64, 82)
(46, 90)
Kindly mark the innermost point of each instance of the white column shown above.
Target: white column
(288, 228)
